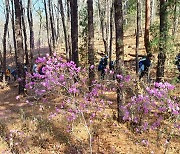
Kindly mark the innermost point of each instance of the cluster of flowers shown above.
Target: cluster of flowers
(148, 110)
(65, 80)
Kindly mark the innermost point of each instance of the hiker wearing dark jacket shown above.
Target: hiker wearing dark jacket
(144, 64)
(102, 66)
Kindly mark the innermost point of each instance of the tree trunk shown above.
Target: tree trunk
(111, 32)
(68, 32)
(47, 27)
(24, 33)
(163, 40)
(102, 28)
(90, 42)
(13, 29)
(19, 43)
(147, 26)
(119, 54)
(30, 21)
(153, 11)
(4, 39)
(138, 34)
(74, 31)
(51, 23)
(176, 15)
(64, 29)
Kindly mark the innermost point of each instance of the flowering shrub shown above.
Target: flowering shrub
(148, 110)
(65, 80)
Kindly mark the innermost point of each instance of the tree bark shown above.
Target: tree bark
(147, 26)
(111, 32)
(47, 27)
(51, 23)
(119, 54)
(90, 42)
(64, 29)
(102, 28)
(163, 40)
(5, 39)
(30, 21)
(175, 21)
(74, 31)
(19, 43)
(138, 34)
(13, 29)
(24, 33)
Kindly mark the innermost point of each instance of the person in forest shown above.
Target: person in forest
(102, 66)
(144, 64)
(35, 69)
(40, 69)
(177, 63)
(14, 74)
(8, 73)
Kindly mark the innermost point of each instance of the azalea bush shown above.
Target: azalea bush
(65, 80)
(150, 109)
(145, 111)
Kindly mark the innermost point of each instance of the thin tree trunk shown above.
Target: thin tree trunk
(24, 33)
(51, 23)
(19, 43)
(74, 31)
(30, 21)
(40, 28)
(153, 11)
(176, 15)
(64, 28)
(47, 27)
(111, 32)
(58, 23)
(137, 34)
(147, 26)
(13, 29)
(90, 42)
(102, 27)
(119, 54)
(4, 39)
(68, 27)
(163, 40)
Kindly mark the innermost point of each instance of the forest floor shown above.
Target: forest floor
(26, 128)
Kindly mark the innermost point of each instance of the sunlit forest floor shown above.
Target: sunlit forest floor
(26, 128)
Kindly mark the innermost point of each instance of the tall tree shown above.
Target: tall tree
(90, 42)
(138, 33)
(163, 39)
(52, 23)
(74, 31)
(176, 17)
(13, 29)
(110, 33)
(24, 33)
(147, 26)
(30, 21)
(64, 28)
(5, 38)
(103, 27)
(119, 54)
(47, 27)
(19, 43)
